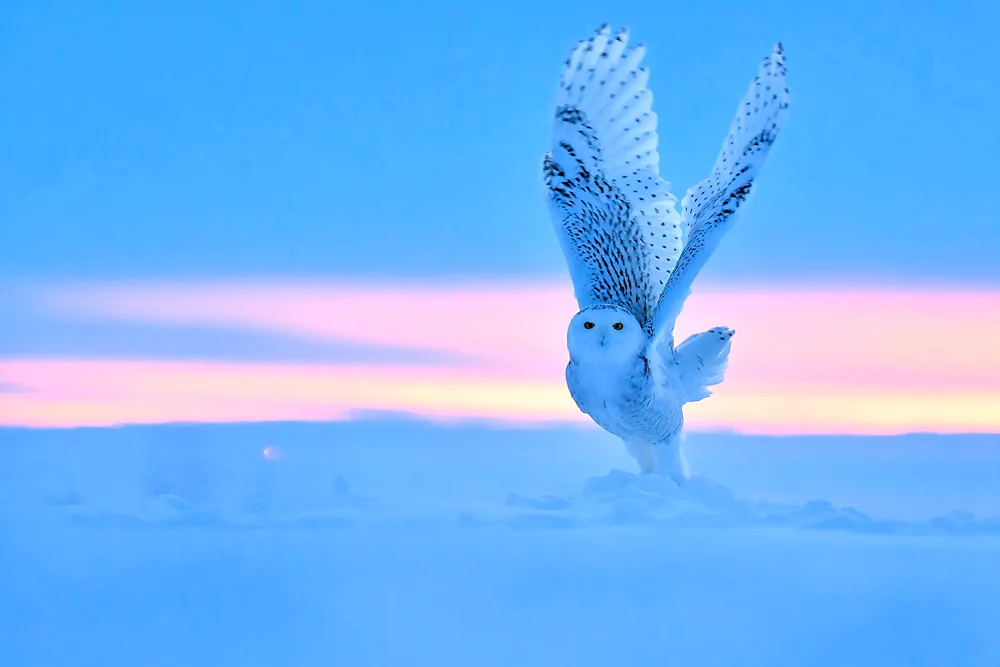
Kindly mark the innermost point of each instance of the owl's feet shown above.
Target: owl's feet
(663, 458)
(643, 453)
(670, 462)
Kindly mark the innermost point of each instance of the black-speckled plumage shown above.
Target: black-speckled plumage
(627, 246)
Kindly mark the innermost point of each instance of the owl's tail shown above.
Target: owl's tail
(702, 360)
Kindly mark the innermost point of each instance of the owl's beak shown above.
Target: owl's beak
(604, 340)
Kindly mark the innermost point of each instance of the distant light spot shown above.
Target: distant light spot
(272, 453)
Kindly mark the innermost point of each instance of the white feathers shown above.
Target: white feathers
(627, 248)
(709, 207)
(701, 362)
(615, 217)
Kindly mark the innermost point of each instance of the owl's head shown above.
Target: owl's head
(604, 334)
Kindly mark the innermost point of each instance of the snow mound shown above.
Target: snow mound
(622, 498)
(618, 498)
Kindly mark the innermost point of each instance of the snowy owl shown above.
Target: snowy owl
(631, 255)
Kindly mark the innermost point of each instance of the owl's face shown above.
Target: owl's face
(605, 335)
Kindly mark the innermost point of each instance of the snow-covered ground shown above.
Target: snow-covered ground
(392, 542)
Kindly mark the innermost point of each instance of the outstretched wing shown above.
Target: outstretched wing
(709, 208)
(616, 219)
(701, 362)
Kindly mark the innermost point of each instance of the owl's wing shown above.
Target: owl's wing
(615, 217)
(709, 208)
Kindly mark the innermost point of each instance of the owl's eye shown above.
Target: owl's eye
(588, 325)
(618, 326)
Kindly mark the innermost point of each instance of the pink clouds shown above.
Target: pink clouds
(820, 360)
(487, 323)
(101, 392)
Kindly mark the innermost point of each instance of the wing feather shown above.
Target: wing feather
(616, 218)
(709, 207)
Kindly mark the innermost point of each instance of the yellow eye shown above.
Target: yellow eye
(618, 326)
(588, 325)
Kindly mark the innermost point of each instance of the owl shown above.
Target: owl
(632, 255)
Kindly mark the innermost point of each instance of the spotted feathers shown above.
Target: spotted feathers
(615, 216)
(709, 208)
(701, 362)
(626, 244)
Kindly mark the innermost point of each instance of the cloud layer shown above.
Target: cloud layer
(819, 360)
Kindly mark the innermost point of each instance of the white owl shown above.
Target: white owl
(631, 255)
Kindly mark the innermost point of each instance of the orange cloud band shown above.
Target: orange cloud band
(804, 361)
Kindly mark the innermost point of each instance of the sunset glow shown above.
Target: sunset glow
(804, 361)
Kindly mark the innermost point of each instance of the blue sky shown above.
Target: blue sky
(167, 139)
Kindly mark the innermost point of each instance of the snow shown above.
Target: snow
(401, 543)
